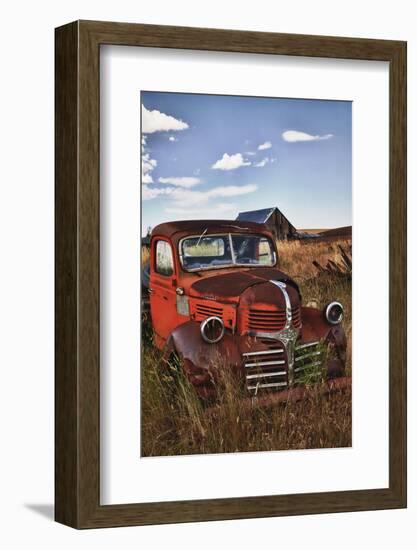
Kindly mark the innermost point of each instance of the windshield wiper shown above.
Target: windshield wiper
(201, 236)
(232, 251)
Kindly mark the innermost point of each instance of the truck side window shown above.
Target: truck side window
(164, 264)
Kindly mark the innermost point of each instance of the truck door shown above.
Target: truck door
(162, 289)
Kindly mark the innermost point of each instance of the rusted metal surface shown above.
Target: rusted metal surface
(190, 227)
(230, 286)
(265, 324)
(201, 360)
(315, 327)
(297, 393)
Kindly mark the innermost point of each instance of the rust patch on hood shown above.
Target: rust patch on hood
(266, 295)
(230, 286)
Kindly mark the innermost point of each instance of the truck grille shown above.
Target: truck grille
(308, 364)
(265, 369)
(202, 311)
(268, 369)
(269, 321)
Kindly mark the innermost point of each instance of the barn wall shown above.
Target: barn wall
(280, 226)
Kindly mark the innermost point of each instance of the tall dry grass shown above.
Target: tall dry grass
(297, 259)
(145, 255)
(175, 422)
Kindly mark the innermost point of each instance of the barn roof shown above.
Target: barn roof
(261, 216)
(257, 216)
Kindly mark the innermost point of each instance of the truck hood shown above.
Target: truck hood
(228, 287)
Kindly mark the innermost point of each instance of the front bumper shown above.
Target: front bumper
(262, 360)
(296, 393)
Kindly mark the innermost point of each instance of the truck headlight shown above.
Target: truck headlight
(212, 330)
(334, 313)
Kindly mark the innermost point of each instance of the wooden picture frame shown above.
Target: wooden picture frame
(77, 404)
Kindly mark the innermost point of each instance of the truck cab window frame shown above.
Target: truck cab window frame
(164, 258)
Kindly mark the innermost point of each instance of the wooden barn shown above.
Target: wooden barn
(274, 219)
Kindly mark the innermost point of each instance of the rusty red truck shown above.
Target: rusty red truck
(216, 291)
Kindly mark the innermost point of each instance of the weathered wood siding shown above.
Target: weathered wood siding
(280, 226)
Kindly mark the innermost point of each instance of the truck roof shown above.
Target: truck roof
(168, 229)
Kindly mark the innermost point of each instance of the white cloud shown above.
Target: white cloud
(155, 121)
(184, 198)
(261, 163)
(148, 164)
(250, 153)
(181, 182)
(172, 138)
(230, 162)
(295, 135)
(200, 213)
(263, 146)
(190, 197)
(146, 178)
(149, 193)
(231, 190)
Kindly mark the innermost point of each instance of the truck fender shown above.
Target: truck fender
(316, 328)
(198, 358)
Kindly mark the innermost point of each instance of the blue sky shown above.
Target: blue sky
(208, 156)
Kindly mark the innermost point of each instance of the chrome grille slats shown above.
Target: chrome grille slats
(262, 368)
(264, 352)
(306, 355)
(260, 375)
(272, 385)
(302, 346)
(308, 365)
(264, 363)
(308, 361)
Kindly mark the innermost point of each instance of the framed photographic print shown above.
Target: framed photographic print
(230, 274)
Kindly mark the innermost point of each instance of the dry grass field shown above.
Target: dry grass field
(174, 422)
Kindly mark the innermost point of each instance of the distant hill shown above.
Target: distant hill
(314, 231)
(337, 232)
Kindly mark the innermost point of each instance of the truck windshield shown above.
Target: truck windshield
(214, 251)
